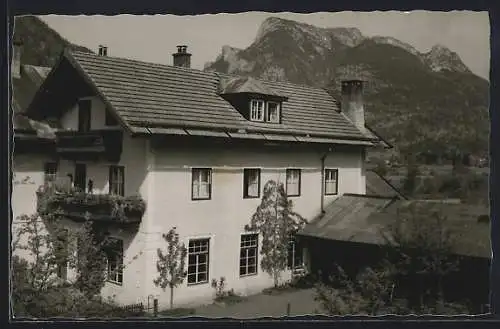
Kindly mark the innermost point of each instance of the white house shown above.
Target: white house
(198, 148)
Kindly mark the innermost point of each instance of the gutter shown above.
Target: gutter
(323, 158)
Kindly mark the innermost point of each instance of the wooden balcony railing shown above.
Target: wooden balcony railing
(77, 205)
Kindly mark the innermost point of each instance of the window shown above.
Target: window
(198, 261)
(80, 176)
(84, 107)
(251, 183)
(114, 260)
(248, 254)
(201, 189)
(293, 182)
(62, 254)
(50, 172)
(109, 119)
(257, 110)
(331, 181)
(273, 112)
(295, 259)
(117, 180)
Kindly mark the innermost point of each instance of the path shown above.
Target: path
(301, 303)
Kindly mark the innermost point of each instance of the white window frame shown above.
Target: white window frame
(329, 181)
(292, 180)
(116, 275)
(117, 180)
(245, 248)
(202, 250)
(254, 111)
(197, 183)
(278, 110)
(247, 174)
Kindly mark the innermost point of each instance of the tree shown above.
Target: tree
(49, 247)
(90, 262)
(419, 258)
(44, 249)
(277, 222)
(421, 248)
(367, 294)
(171, 264)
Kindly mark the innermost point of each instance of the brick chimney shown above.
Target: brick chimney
(15, 67)
(182, 58)
(103, 50)
(352, 102)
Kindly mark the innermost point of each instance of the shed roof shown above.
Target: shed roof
(365, 219)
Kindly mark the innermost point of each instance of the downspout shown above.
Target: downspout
(323, 158)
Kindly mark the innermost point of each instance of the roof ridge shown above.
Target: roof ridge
(180, 68)
(190, 69)
(270, 81)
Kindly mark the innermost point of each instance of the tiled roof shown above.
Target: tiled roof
(244, 85)
(150, 96)
(364, 219)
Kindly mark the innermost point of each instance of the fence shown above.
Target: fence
(134, 308)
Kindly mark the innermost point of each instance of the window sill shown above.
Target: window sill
(197, 283)
(201, 199)
(116, 283)
(293, 196)
(331, 194)
(251, 197)
(242, 276)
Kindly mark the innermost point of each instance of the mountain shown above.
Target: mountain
(425, 102)
(41, 45)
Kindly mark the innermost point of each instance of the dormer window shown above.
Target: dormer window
(257, 110)
(261, 110)
(273, 112)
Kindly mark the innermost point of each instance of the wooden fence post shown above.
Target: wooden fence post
(155, 307)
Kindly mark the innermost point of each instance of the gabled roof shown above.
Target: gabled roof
(23, 90)
(152, 99)
(364, 219)
(249, 85)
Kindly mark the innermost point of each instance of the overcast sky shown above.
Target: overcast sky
(153, 38)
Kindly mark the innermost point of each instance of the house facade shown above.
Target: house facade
(197, 148)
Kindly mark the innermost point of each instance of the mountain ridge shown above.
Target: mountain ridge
(40, 44)
(428, 87)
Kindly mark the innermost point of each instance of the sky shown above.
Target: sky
(153, 38)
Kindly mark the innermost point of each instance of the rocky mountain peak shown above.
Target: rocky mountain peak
(441, 58)
(348, 36)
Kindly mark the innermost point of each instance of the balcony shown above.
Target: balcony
(81, 206)
(89, 145)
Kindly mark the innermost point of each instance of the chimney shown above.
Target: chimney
(352, 102)
(103, 50)
(15, 67)
(182, 58)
